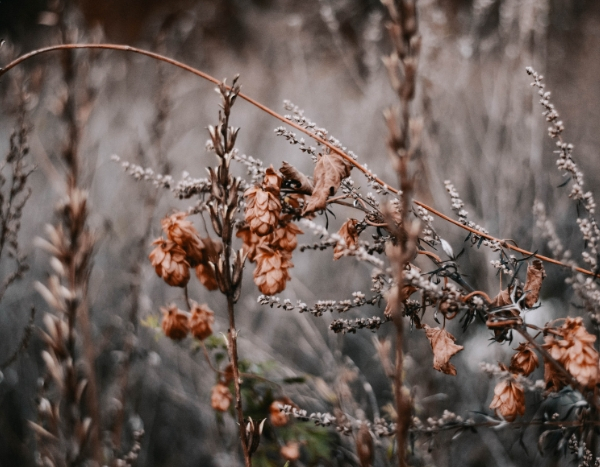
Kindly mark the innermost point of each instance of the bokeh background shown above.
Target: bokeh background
(483, 131)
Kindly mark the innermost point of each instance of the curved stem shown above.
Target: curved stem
(206, 76)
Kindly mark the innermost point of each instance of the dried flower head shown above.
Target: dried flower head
(509, 399)
(284, 237)
(220, 397)
(575, 351)
(291, 451)
(175, 322)
(262, 210)
(183, 233)
(349, 234)
(277, 416)
(525, 361)
(201, 321)
(204, 271)
(169, 261)
(251, 241)
(271, 273)
(272, 181)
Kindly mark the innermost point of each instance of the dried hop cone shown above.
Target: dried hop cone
(525, 361)
(291, 451)
(251, 241)
(220, 397)
(285, 237)
(509, 399)
(272, 181)
(175, 323)
(262, 210)
(271, 273)
(183, 233)
(169, 261)
(204, 271)
(575, 351)
(201, 321)
(349, 235)
(277, 416)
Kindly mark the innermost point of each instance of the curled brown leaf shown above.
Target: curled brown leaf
(533, 284)
(349, 234)
(329, 172)
(299, 182)
(443, 346)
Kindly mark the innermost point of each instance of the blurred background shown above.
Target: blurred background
(483, 131)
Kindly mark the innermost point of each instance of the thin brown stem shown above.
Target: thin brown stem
(233, 357)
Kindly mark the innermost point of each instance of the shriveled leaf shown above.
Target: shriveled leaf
(349, 234)
(329, 172)
(502, 299)
(533, 284)
(300, 182)
(443, 346)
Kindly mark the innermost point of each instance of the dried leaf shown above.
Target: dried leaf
(502, 299)
(329, 172)
(533, 284)
(443, 346)
(349, 234)
(300, 182)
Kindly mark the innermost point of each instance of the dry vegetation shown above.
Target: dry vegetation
(295, 308)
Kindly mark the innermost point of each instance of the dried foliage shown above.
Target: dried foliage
(414, 279)
(442, 343)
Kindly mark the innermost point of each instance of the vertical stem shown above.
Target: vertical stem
(233, 357)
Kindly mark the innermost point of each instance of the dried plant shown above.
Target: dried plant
(415, 279)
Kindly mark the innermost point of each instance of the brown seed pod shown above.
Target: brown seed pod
(525, 361)
(291, 451)
(262, 210)
(509, 399)
(271, 273)
(184, 234)
(220, 397)
(169, 261)
(575, 351)
(175, 323)
(201, 321)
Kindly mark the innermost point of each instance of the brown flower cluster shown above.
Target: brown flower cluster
(575, 351)
(509, 399)
(269, 237)
(221, 397)
(177, 323)
(525, 361)
(184, 249)
(277, 416)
